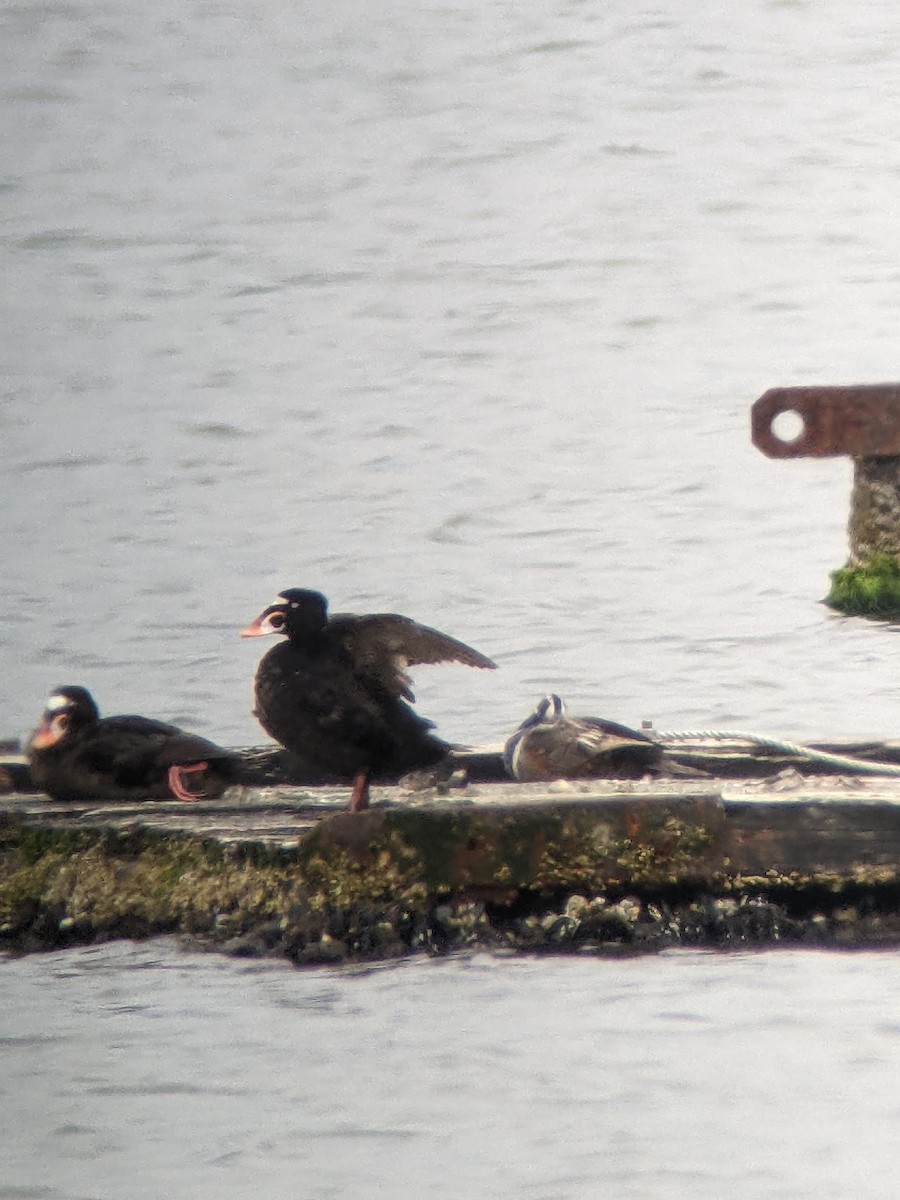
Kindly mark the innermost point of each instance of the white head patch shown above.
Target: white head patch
(57, 703)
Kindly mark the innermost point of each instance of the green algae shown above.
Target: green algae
(391, 881)
(55, 885)
(399, 863)
(143, 880)
(869, 590)
(667, 854)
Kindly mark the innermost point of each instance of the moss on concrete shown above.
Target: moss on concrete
(871, 589)
(143, 883)
(550, 847)
(60, 886)
(623, 873)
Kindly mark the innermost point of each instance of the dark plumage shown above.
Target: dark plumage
(76, 755)
(336, 692)
(551, 745)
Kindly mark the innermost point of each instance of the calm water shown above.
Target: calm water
(688, 1075)
(458, 310)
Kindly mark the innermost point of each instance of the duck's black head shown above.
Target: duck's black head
(67, 709)
(298, 613)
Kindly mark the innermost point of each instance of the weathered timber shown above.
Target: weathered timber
(599, 867)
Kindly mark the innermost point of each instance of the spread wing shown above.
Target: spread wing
(384, 645)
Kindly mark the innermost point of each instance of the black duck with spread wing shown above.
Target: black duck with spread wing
(337, 692)
(75, 754)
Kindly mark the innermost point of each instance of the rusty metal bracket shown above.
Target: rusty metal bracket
(861, 420)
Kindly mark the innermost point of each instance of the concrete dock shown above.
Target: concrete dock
(592, 867)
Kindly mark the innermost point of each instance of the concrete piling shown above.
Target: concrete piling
(862, 421)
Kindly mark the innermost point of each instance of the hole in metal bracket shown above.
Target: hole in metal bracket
(788, 426)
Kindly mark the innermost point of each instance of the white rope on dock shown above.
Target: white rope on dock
(859, 766)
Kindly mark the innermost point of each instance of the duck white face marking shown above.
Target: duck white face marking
(514, 759)
(548, 711)
(57, 703)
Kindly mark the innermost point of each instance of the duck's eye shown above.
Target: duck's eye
(277, 620)
(62, 722)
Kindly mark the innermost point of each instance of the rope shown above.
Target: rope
(860, 766)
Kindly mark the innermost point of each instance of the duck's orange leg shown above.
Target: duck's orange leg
(359, 797)
(177, 784)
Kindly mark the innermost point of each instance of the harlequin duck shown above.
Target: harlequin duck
(551, 745)
(75, 754)
(336, 692)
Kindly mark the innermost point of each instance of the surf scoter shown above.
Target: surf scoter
(549, 744)
(75, 754)
(336, 692)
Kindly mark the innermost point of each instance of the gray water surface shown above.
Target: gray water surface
(455, 310)
(690, 1074)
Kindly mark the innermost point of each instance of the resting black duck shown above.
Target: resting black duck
(75, 754)
(336, 692)
(549, 744)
